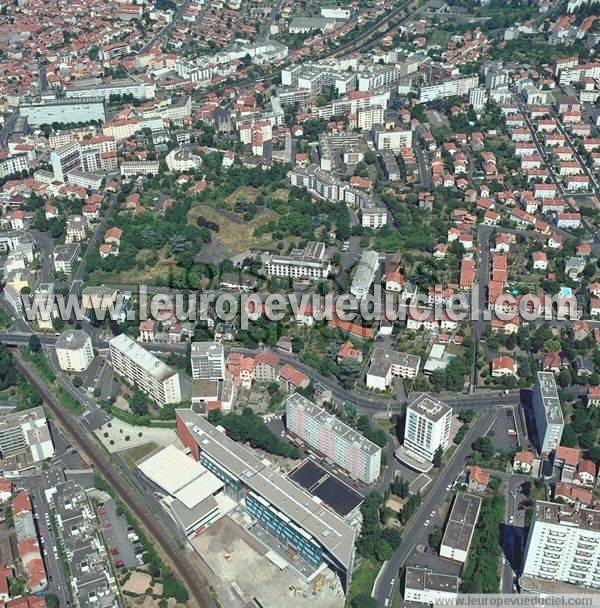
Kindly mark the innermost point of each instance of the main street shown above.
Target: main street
(416, 530)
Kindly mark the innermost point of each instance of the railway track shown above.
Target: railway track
(155, 529)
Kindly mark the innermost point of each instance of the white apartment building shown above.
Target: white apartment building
(12, 165)
(139, 167)
(388, 364)
(427, 427)
(144, 370)
(563, 545)
(448, 88)
(66, 159)
(367, 117)
(478, 98)
(308, 263)
(207, 361)
(26, 431)
(95, 88)
(333, 438)
(182, 159)
(392, 140)
(74, 350)
(547, 411)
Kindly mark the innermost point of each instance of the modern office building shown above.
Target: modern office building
(310, 532)
(333, 438)
(145, 371)
(310, 263)
(387, 364)
(26, 432)
(460, 527)
(549, 422)
(427, 426)
(188, 492)
(365, 274)
(74, 350)
(207, 361)
(563, 545)
(426, 587)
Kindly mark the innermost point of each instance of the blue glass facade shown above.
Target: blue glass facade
(286, 533)
(233, 487)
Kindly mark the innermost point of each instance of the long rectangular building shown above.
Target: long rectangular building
(308, 529)
(460, 527)
(333, 438)
(144, 370)
(563, 545)
(63, 111)
(549, 421)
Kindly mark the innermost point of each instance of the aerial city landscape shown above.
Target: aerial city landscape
(299, 303)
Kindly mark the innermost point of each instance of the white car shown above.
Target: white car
(511, 519)
(386, 603)
(426, 522)
(433, 513)
(449, 488)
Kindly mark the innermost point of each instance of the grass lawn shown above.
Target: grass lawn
(250, 194)
(132, 455)
(237, 236)
(363, 579)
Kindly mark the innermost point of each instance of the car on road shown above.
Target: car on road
(426, 522)
(448, 487)
(433, 513)
(114, 551)
(387, 602)
(512, 519)
(103, 511)
(119, 563)
(107, 525)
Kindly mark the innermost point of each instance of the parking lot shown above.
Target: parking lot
(119, 537)
(504, 432)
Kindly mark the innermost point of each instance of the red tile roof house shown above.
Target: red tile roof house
(113, 235)
(552, 361)
(567, 459)
(586, 473)
(348, 351)
(573, 494)
(5, 574)
(5, 489)
(523, 462)
(478, 479)
(503, 366)
(290, 378)
(593, 396)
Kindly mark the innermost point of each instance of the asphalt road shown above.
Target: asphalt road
(416, 529)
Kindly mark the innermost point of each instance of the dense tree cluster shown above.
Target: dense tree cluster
(376, 542)
(250, 428)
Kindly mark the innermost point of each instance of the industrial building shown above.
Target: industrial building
(549, 421)
(145, 371)
(48, 111)
(563, 545)
(310, 532)
(333, 438)
(460, 527)
(189, 493)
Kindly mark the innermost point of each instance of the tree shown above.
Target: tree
(565, 378)
(52, 600)
(34, 343)
(77, 382)
(363, 600)
(400, 487)
(138, 403)
(484, 446)
(437, 457)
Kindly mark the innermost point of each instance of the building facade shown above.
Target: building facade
(547, 412)
(427, 426)
(145, 371)
(564, 545)
(74, 350)
(333, 438)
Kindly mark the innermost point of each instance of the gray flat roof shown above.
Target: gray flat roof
(547, 386)
(383, 358)
(72, 339)
(430, 407)
(421, 579)
(324, 526)
(462, 520)
(567, 515)
(147, 361)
